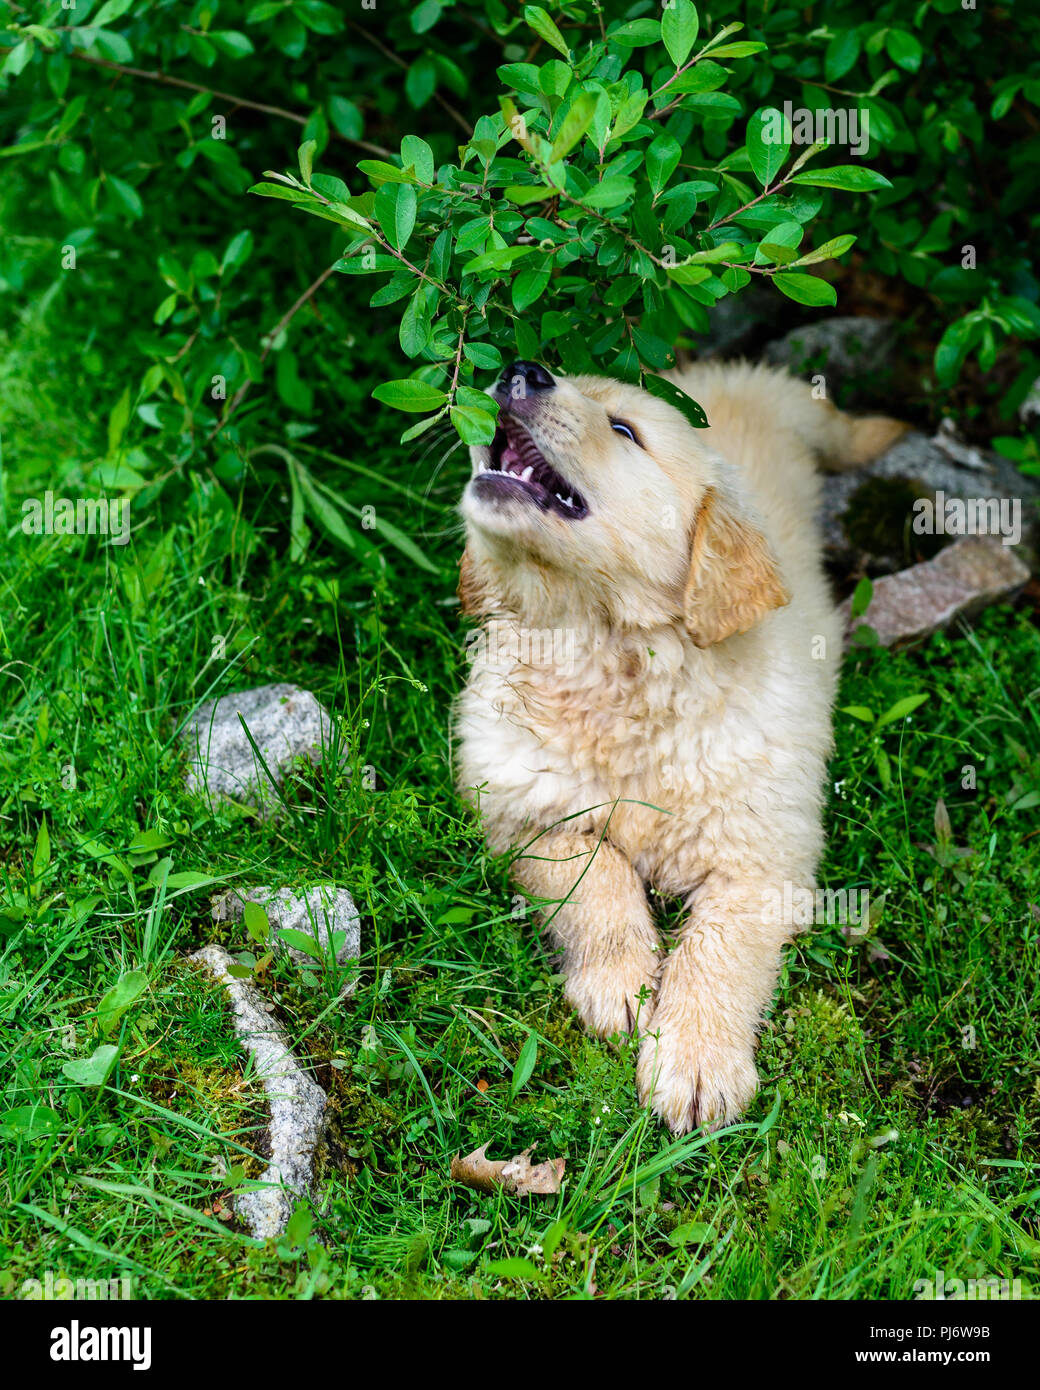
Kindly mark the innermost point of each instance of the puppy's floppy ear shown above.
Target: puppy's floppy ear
(733, 580)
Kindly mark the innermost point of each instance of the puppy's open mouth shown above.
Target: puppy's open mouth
(516, 468)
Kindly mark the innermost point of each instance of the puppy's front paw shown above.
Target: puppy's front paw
(612, 992)
(691, 1077)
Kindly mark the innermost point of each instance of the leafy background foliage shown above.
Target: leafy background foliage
(640, 193)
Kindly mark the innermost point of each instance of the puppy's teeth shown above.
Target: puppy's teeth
(526, 474)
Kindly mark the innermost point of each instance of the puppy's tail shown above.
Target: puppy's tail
(844, 441)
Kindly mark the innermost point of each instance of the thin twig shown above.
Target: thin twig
(445, 105)
(283, 322)
(169, 81)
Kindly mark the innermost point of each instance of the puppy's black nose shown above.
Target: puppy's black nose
(527, 375)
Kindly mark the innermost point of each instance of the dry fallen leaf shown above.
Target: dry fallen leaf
(517, 1174)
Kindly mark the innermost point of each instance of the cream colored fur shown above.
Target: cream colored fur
(673, 730)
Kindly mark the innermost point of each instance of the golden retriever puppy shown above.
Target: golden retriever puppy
(649, 699)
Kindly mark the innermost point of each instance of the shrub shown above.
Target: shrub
(589, 182)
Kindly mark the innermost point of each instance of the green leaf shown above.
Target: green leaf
(380, 172)
(690, 1233)
(416, 153)
(861, 597)
(409, 394)
(395, 208)
(117, 421)
(416, 329)
(190, 879)
(239, 249)
(529, 286)
(805, 289)
(689, 274)
(545, 27)
(523, 193)
(111, 9)
(610, 193)
(860, 712)
(114, 47)
(851, 177)
(346, 117)
(574, 125)
(744, 49)
(637, 33)
(17, 58)
(115, 1002)
(515, 1269)
(775, 253)
(679, 27)
(841, 54)
(662, 157)
(231, 42)
(705, 77)
(474, 426)
(904, 49)
(305, 155)
(774, 1114)
(147, 841)
(668, 391)
(93, 1070)
(884, 767)
(257, 923)
(725, 251)
(901, 709)
(483, 355)
(425, 16)
(126, 195)
(525, 1065)
(768, 144)
(302, 941)
(42, 851)
(953, 348)
(29, 1122)
(281, 190)
(837, 246)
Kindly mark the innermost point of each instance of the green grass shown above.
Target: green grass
(896, 1131)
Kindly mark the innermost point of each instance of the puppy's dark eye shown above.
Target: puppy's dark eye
(620, 427)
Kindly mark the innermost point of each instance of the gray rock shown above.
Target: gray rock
(866, 515)
(846, 350)
(286, 723)
(317, 912)
(297, 1104)
(966, 576)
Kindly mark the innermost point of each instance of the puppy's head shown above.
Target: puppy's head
(595, 494)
